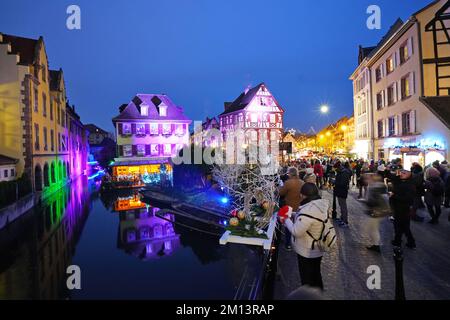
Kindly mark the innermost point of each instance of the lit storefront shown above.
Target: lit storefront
(142, 172)
(424, 151)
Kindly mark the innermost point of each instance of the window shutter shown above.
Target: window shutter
(410, 46)
(412, 85)
(147, 128)
(133, 128)
(398, 125)
(160, 128)
(147, 149)
(386, 127)
(134, 150)
(120, 127)
(412, 119)
(172, 128)
(395, 95)
(120, 151)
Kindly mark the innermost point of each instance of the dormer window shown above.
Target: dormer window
(162, 111)
(144, 111)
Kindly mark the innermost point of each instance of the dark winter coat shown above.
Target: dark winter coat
(342, 181)
(403, 194)
(434, 191)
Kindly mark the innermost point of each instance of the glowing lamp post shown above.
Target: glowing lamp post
(324, 109)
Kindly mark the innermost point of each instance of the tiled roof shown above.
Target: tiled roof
(243, 100)
(24, 47)
(153, 101)
(4, 160)
(439, 106)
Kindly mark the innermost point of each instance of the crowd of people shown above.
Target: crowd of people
(387, 189)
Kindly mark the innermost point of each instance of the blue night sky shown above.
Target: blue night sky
(204, 52)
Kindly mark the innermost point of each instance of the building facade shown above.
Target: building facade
(204, 134)
(150, 130)
(97, 134)
(8, 168)
(401, 76)
(257, 114)
(36, 121)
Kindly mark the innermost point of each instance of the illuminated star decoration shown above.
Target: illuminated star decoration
(292, 131)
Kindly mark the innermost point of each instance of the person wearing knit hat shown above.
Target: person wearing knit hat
(310, 177)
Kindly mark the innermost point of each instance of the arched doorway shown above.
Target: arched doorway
(46, 176)
(38, 178)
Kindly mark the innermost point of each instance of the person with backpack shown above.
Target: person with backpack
(313, 234)
(434, 192)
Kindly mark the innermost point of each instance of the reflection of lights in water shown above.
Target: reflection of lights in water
(148, 248)
(96, 175)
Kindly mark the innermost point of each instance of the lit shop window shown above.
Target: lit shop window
(141, 150)
(167, 128)
(127, 150)
(154, 149)
(167, 149)
(126, 128)
(254, 117)
(154, 128)
(140, 128)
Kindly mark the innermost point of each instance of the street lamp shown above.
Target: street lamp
(324, 109)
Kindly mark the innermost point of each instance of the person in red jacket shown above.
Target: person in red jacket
(318, 171)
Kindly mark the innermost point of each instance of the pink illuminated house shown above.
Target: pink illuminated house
(149, 130)
(257, 113)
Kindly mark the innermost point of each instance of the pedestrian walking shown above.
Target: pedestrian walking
(402, 200)
(434, 187)
(378, 206)
(290, 194)
(318, 171)
(340, 192)
(307, 227)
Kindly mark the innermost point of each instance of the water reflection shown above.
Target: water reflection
(36, 249)
(125, 249)
(143, 234)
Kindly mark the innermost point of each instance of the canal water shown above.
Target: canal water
(125, 249)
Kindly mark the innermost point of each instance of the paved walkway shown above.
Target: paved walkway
(344, 271)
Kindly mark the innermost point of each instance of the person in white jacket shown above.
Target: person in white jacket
(305, 227)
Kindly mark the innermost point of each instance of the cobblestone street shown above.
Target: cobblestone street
(426, 272)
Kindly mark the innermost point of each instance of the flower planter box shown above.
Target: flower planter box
(227, 237)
